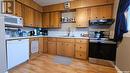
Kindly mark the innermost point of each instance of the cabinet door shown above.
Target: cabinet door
(52, 48)
(60, 48)
(40, 45)
(82, 17)
(95, 13)
(28, 16)
(106, 12)
(101, 12)
(45, 43)
(55, 20)
(18, 9)
(37, 19)
(69, 49)
(46, 20)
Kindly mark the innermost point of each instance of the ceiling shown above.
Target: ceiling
(49, 2)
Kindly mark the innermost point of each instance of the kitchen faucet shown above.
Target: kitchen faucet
(69, 31)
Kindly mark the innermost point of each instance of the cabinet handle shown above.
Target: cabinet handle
(96, 17)
(103, 17)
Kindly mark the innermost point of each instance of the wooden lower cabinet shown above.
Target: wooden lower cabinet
(60, 48)
(52, 48)
(69, 49)
(40, 43)
(76, 48)
(65, 47)
(81, 50)
(45, 43)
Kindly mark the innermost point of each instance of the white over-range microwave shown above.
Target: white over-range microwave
(13, 21)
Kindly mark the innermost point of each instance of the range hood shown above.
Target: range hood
(101, 22)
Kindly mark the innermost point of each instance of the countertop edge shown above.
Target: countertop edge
(29, 37)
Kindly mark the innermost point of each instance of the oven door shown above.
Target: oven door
(106, 51)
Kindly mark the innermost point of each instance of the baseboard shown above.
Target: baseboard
(118, 70)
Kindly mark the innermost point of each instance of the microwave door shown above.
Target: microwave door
(10, 21)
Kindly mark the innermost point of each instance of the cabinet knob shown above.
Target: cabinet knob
(80, 55)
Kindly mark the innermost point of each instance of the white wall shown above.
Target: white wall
(112, 29)
(2, 45)
(123, 55)
(123, 50)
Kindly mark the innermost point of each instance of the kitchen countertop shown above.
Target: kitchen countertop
(103, 41)
(28, 37)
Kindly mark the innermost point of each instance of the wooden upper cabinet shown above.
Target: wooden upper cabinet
(55, 19)
(51, 20)
(38, 19)
(28, 15)
(106, 12)
(101, 12)
(46, 20)
(77, 4)
(82, 17)
(31, 4)
(18, 9)
(95, 13)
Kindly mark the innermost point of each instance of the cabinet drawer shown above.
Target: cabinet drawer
(65, 40)
(34, 39)
(81, 55)
(52, 39)
(60, 40)
(81, 47)
(81, 41)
